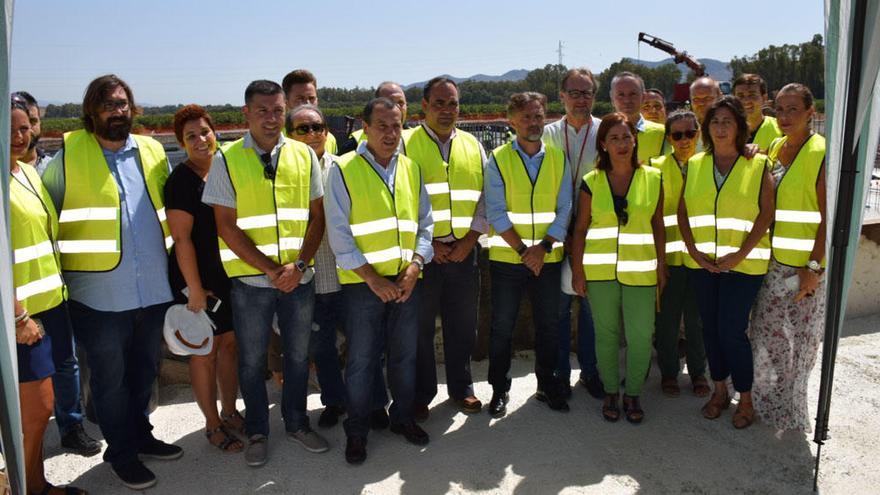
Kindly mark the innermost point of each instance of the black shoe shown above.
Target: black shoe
(330, 416)
(355, 450)
(157, 449)
(498, 404)
(379, 419)
(421, 413)
(412, 432)
(80, 442)
(135, 475)
(557, 402)
(594, 386)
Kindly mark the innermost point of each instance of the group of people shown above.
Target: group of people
(708, 224)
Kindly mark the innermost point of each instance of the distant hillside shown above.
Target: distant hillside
(511, 75)
(720, 71)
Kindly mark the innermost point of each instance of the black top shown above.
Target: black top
(183, 191)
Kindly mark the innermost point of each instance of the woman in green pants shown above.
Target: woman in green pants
(618, 257)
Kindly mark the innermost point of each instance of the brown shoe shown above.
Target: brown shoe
(701, 386)
(469, 405)
(718, 403)
(744, 415)
(669, 387)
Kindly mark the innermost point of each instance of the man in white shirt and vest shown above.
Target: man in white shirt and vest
(267, 193)
(575, 135)
(380, 229)
(627, 94)
(107, 185)
(451, 161)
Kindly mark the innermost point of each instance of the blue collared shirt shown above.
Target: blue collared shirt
(496, 204)
(337, 210)
(141, 278)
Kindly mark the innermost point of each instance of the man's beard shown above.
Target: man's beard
(114, 128)
(34, 139)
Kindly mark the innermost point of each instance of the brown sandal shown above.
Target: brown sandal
(669, 387)
(701, 386)
(713, 408)
(744, 415)
(610, 410)
(233, 422)
(228, 444)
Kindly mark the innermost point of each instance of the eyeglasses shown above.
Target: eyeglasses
(111, 105)
(620, 205)
(268, 170)
(677, 135)
(576, 94)
(303, 129)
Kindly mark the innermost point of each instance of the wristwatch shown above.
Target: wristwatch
(815, 267)
(521, 249)
(547, 245)
(419, 263)
(300, 265)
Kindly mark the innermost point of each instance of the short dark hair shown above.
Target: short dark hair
(28, 99)
(426, 91)
(749, 80)
(627, 74)
(95, 94)
(656, 92)
(382, 85)
(603, 158)
(680, 115)
(298, 76)
(292, 113)
(186, 114)
(518, 101)
(739, 115)
(371, 105)
(579, 71)
(261, 87)
(17, 103)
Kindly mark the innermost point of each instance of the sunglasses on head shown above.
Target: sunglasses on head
(677, 135)
(303, 129)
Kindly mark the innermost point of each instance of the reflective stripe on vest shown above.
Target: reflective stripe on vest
(767, 132)
(36, 269)
(383, 224)
(454, 187)
(651, 141)
(625, 253)
(89, 237)
(274, 214)
(797, 218)
(672, 185)
(722, 219)
(530, 207)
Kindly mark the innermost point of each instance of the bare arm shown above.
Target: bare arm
(578, 242)
(180, 223)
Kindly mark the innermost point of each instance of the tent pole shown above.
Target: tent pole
(840, 235)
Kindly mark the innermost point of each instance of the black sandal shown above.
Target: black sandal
(228, 443)
(610, 411)
(632, 409)
(228, 419)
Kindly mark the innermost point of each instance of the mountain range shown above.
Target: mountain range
(511, 75)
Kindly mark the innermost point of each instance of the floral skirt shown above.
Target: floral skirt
(785, 336)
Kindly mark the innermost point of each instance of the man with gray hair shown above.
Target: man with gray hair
(528, 193)
(627, 92)
(575, 135)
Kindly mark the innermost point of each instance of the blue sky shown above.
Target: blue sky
(207, 51)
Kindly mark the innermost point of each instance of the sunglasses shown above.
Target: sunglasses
(303, 129)
(268, 170)
(620, 205)
(677, 135)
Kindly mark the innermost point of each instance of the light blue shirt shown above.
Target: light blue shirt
(496, 203)
(337, 210)
(141, 278)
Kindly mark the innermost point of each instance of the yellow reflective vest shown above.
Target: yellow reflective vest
(613, 250)
(384, 224)
(531, 207)
(797, 217)
(36, 262)
(273, 214)
(454, 187)
(767, 132)
(673, 181)
(90, 226)
(650, 141)
(722, 218)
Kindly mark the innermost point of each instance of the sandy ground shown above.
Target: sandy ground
(534, 449)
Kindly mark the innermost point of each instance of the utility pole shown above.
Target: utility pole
(559, 51)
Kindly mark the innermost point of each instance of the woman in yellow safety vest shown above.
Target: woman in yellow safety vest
(724, 216)
(41, 318)
(789, 317)
(618, 253)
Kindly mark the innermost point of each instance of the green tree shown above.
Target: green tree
(780, 65)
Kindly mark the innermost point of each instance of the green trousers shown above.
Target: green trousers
(679, 298)
(609, 301)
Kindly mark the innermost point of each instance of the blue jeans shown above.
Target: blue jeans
(123, 349)
(65, 381)
(252, 311)
(586, 339)
(368, 324)
(322, 347)
(508, 282)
